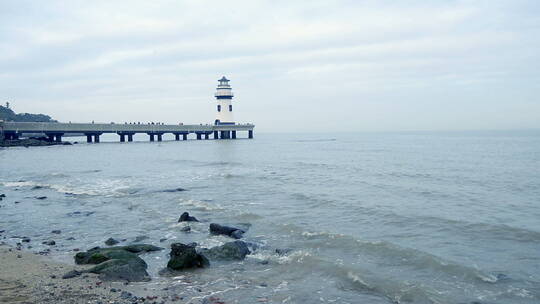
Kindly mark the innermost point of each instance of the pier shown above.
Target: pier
(92, 131)
(224, 126)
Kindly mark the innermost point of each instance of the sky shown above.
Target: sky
(295, 66)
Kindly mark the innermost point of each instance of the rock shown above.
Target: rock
(237, 234)
(70, 238)
(283, 251)
(184, 256)
(140, 238)
(236, 250)
(117, 263)
(41, 197)
(125, 295)
(79, 213)
(71, 274)
(111, 242)
(174, 190)
(138, 248)
(186, 218)
(25, 240)
(132, 269)
(225, 230)
(2, 195)
(50, 243)
(98, 255)
(186, 229)
(36, 187)
(162, 240)
(56, 231)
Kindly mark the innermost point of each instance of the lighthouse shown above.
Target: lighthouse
(224, 95)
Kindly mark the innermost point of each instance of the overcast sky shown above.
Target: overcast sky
(294, 65)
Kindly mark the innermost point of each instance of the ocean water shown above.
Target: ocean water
(367, 218)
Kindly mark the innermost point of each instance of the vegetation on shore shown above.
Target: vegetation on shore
(7, 114)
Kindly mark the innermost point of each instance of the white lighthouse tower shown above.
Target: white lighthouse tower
(224, 95)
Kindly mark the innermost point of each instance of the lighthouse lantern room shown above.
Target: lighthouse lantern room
(224, 95)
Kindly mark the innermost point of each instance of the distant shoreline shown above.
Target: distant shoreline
(30, 142)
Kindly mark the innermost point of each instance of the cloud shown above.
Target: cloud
(160, 59)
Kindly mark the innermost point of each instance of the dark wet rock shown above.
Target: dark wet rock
(283, 251)
(16, 202)
(162, 240)
(117, 263)
(71, 274)
(174, 190)
(2, 195)
(185, 217)
(41, 197)
(126, 295)
(502, 277)
(138, 248)
(111, 242)
(131, 268)
(25, 240)
(56, 231)
(140, 238)
(98, 255)
(186, 229)
(236, 250)
(49, 243)
(81, 213)
(226, 230)
(70, 238)
(37, 187)
(237, 234)
(185, 256)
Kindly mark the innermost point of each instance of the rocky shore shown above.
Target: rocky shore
(30, 142)
(29, 278)
(109, 274)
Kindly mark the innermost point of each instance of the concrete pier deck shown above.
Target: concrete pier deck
(55, 131)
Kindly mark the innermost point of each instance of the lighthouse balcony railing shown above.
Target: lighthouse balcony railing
(224, 94)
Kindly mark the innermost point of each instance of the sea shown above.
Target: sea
(409, 217)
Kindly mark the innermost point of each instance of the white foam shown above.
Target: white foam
(205, 206)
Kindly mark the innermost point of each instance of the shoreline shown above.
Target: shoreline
(27, 277)
(31, 142)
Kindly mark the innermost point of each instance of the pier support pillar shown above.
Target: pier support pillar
(199, 136)
(58, 138)
(216, 135)
(151, 137)
(122, 138)
(96, 138)
(176, 136)
(250, 134)
(88, 138)
(233, 134)
(130, 137)
(49, 137)
(184, 136)
(206, 136)
(159, 137)
(225, 134)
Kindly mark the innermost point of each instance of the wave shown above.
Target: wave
(384, 253)
(200, 205)
(104, 188)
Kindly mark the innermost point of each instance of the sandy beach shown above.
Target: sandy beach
(30, 278)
